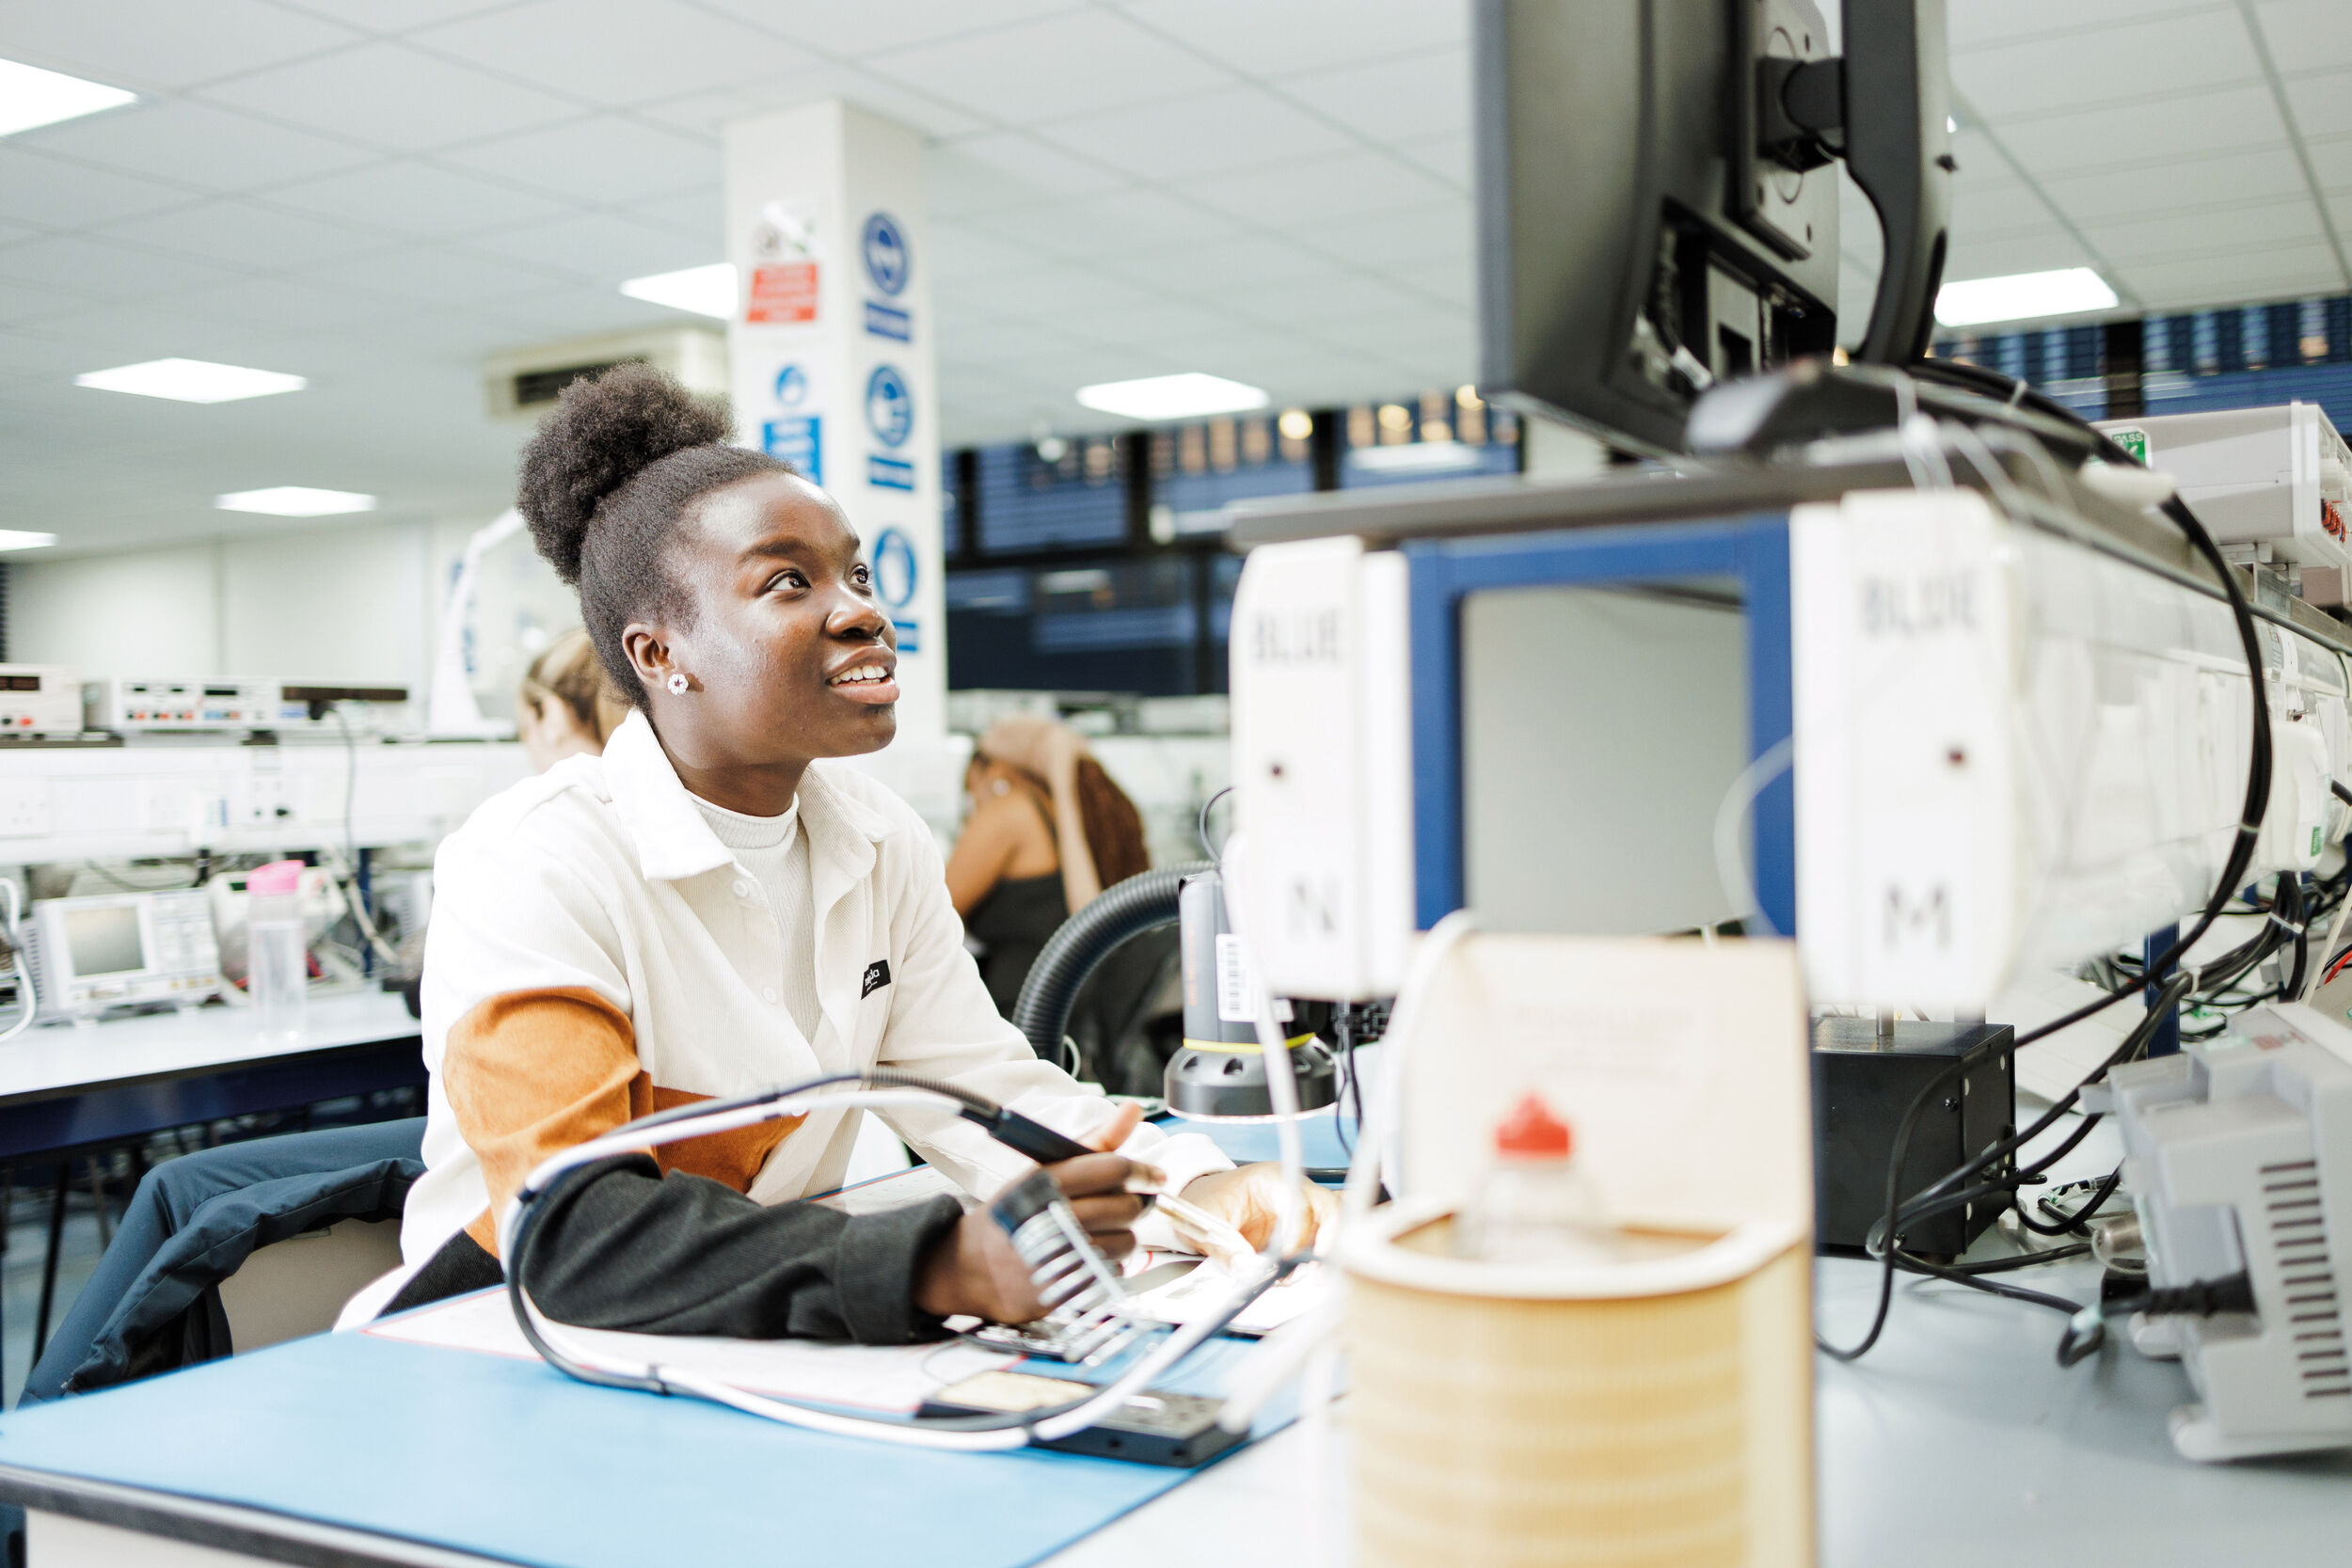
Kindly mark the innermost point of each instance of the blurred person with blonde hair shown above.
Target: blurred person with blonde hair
(1048, 831)
(565, 705)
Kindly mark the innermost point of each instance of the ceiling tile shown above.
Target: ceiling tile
(2271, 272)
(614, 52)
(2181, 186)
(597, 245)
(2024, 253)
(1206, 133)
(2306, 35)
(245, 236)
(960, 252)
(418, 200)
(29, 302)
(1450, 282)
(2332, 160)
(196, 144)
(1977, 24)
(1423, 95)
(837, 29)
(1441, 230)
(1307, 301)
(1452, 159)
(50, 193)
(1311, 189)
(1260, 39)
(699, 213)
(2124, 61)
(2180, 235)
(600, 161)
(440, 274)
(1104, 225)
(375, 16)
(705, 114)
(2147, 134)
(1048, 70)
(281, 302)
(1223, 268)
(998, 342)
(2322, 104)
(1166, 321)
(137, 43)
(393, 97)
(1053, 293)
(1006, 168)
(1989, 210)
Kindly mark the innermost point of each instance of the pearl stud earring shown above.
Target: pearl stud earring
(676, 683)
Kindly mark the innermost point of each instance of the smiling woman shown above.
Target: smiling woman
(710, 908)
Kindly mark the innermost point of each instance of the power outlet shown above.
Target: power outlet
(268, 802)
(24, 809)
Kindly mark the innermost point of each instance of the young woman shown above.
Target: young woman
(564, 706)
(707, 909)
(1048, 831)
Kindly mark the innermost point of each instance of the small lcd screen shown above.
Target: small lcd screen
(21, 683)
(104, 941)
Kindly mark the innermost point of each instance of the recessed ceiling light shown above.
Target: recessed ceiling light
(191, 380)
(19, 538)
(1417, 457)
(30, 95)
(296, 501)
(2022, 296)
(1173, 397)
(705, 290)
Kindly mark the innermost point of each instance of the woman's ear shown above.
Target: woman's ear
(648, 653)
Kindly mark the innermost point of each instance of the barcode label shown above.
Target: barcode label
(1232, 982)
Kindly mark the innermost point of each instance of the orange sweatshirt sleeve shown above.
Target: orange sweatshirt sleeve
(529, 1074)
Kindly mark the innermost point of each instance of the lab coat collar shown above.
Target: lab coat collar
(674, 840)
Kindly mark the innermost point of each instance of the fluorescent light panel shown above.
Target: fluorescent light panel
(191, 380)
(20, 539)
(1188, 396)
(704, 290)
(30, 95)
(296, 501)
(2022, 296)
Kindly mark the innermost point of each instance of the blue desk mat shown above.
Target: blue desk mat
(1245, 1141)
(513, 1460)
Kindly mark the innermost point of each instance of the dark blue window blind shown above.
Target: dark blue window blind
(1026, 503)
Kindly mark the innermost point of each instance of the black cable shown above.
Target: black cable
(2075, 1223)
(2023, 1260)
(1993, 1288)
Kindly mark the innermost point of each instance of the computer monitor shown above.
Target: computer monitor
(1657, 195)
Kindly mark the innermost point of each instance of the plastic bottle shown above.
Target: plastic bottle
(1536, 1206)
(277, 960)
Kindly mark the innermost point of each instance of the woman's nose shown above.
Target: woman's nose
(854, 615)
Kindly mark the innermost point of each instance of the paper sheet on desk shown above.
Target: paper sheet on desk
(1195, 1286)
(890, 1378)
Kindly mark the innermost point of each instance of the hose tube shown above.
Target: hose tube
(1125, 909)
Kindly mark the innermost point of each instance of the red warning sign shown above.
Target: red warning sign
(783, 293)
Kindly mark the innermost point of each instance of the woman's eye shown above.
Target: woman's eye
(788, 580)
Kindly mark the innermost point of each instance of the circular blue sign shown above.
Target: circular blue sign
(889, 407)
(885, 248)
(893, 569)
(791, 385)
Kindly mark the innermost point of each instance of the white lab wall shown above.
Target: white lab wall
(336, 602)
(156, 612)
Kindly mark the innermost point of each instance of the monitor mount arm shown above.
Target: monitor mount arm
(1880, 106)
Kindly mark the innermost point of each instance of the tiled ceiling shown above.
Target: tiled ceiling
(379, 194)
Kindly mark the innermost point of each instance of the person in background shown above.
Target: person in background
(1048, 831)
(566, 706)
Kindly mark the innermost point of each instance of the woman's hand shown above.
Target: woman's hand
(1247, 1199)
(973, 1270)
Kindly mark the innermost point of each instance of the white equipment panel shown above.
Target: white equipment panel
(71, 803)
(40, 699)
(2280, 477)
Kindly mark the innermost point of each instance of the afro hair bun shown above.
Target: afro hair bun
(603, 433)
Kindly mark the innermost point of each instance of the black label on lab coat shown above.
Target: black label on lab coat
(876, 977)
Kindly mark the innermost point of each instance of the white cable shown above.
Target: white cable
(1290, 1203)
(1108, 1399)
(1731, 866)
(1364, 1171)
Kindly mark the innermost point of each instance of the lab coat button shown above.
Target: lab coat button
(770, 994)
(742, 888)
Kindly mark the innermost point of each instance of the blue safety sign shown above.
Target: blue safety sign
(791, 385)
(885, 249)
(893, 569)
(797, 441)
(891, 473)
(889, 407)
(888, 320)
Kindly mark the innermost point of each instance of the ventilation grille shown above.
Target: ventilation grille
(535, 388)
(2299, 1236)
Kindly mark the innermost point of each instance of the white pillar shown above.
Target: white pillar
(832, 352)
